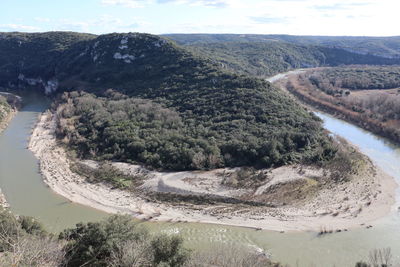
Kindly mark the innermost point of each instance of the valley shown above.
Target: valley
(60, 213)
(179, 136)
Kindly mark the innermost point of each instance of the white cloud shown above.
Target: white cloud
(297, 17)
(103, 24)
(328, 17)
(143, 3)
(18, 27)
(209, 3)
(126, 3)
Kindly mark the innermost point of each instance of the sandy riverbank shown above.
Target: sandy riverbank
(347, 205)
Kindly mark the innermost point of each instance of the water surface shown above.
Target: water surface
(28, 195)
(21, 182)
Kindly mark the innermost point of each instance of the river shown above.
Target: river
(28, 195)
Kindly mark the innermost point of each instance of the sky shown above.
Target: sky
(295, 17)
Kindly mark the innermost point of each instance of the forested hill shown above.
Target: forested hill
(388, 47)
(32, 58)
(173, 110)
(130, 62)
(168, 109)
(265, 59)
(48, 61)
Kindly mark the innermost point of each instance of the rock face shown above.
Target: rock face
(47, 61)
(49, 86)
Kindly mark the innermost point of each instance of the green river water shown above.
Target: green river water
(28, 195)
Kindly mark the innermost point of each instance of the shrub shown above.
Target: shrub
(132, 254)
(93, 243)
(119, 241)
(230, 256)
(168, 251)
(31, 225)
(9, 229)
(24, 242)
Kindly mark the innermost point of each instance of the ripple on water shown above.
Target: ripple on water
(28, 195)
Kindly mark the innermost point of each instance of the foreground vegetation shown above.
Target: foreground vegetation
(116, 241)
(119, 241)
(378, 258)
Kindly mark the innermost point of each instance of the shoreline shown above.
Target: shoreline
(3, 126)
(7, 119)
(368, 202)
(321, 105)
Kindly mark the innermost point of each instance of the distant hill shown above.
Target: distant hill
(82, 61)
(388, 47)
(265, 59)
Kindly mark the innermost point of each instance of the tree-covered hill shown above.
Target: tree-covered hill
(260, 59)
(169, 108)
(264, 59)
(51, 60)
(178, 111)
(133, 63)
(388, 47)
(32, 58)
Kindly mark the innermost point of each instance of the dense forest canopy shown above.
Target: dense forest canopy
(264, 59)
(358, 78)
(34, 55)
(388, 47)
(206, 128)
(260, 59)
(65, 60)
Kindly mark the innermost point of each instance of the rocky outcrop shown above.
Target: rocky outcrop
(49, 86)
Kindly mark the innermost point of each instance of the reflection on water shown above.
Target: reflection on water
(27, 194)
